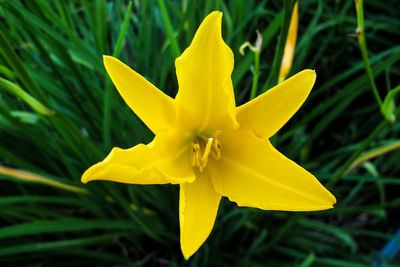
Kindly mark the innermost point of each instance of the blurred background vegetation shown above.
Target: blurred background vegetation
(60, 113)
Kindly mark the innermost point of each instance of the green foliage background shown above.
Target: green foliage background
(53, 50)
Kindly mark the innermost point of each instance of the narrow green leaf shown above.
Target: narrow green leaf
(388, 106)
(27, 98)
(42, 246)
(63, 225)
(372, 153)
(101, 25)
(25, 116)
(336, 231)
(108, 96)
(13, 60)
(175, 50)
(308, 261)
(122, 33)
(7, 72)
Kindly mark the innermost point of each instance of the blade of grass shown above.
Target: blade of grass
(108, 96)
(175, 50)
(31, 177)
(339, 173)
(63, 225)
(43, 246)
(276, 64)
(27, 98)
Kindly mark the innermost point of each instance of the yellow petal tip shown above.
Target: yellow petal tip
(215, 15)
(109, 60)
(186, 254)
(310, 70)
(84, 179)
(105, 58)
(86, 176)
(312, 73)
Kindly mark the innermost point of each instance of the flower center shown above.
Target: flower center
(202, 147)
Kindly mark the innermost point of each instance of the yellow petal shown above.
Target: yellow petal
(205, 100)
(165, 160)
(198, 206)
(253, 173)
(152, 106)
(290, 45)
(267, 113)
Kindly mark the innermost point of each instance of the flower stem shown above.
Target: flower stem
(256, 74)
(256, 70)
(363, 47)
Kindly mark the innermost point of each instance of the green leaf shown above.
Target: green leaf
(63, 225)
(335, 231)
(30, 100)
(388, 106)
(43, 246)
(25, 116)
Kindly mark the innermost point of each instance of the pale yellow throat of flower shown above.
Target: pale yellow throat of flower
(202, 147)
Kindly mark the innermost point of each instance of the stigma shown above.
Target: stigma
(202, 147)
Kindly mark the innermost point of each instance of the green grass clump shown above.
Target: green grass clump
(60, 113)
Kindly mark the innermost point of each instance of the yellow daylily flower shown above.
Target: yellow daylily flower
(206, 144)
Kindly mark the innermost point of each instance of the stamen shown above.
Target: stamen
(195, 154)
(202, 147)
(206, 152)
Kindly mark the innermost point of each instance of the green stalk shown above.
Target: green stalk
(363, 47)
(176, 51)
(108, 89)
(256, 74)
